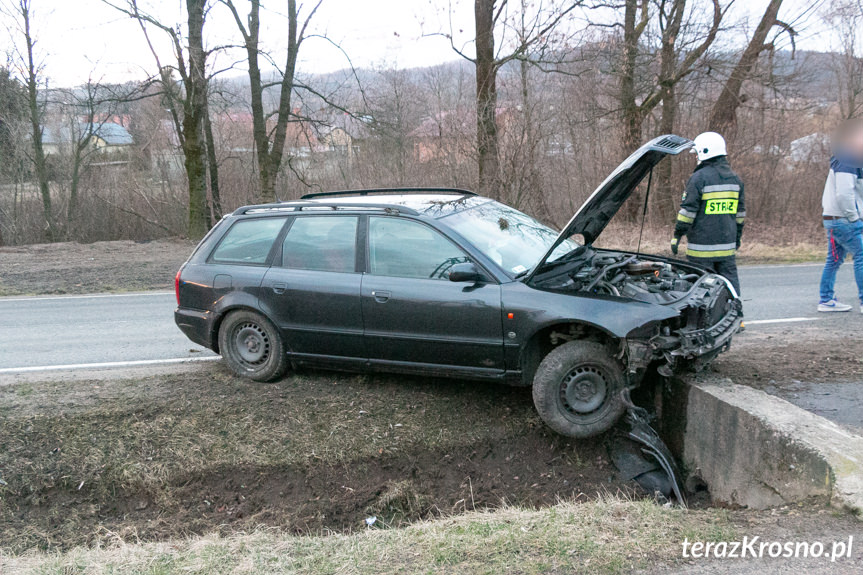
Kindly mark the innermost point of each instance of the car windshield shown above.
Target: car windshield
(513, 240)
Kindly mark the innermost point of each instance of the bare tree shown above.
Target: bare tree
(537, 34)
(270, 144)
(187, 106)
(21, 13)
(394, 111)
(723, 117)
(682, 40)
(673, 67)
(13, 121)
(89, 108)
(680, 52)
(846, 18)
(636, 17)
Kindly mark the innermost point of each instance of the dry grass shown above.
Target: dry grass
(793, 245)
(610, 535)
(88, 268)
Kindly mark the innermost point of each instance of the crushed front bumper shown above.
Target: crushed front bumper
(696, 343)
(685, 348)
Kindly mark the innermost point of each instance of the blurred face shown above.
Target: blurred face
(850, 140)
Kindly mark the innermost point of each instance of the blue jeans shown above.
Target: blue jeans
(843, 237)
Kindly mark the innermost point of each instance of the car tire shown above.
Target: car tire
(576, 389)
(252, 346)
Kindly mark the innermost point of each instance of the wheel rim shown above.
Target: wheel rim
(583, 390)
(252, 344)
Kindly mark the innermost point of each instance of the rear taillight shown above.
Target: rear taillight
(177, 284)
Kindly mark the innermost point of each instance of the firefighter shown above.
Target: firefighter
(712, 212)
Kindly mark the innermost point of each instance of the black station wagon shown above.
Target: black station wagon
(444, 282)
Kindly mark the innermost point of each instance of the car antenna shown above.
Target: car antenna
(644, 211)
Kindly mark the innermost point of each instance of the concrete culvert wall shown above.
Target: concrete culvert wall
(757, 450)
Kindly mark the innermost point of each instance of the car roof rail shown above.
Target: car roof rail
(385, 191)
(299, 206)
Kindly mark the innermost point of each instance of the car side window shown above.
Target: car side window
(406, 249)
(248, 241)
(322, 243)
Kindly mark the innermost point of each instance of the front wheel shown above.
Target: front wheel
(252, 347)
(577, 387)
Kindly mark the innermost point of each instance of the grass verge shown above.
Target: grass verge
(609, 535)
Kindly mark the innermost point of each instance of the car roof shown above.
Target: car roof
(432, 202)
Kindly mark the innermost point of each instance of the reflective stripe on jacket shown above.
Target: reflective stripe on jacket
(712, 213)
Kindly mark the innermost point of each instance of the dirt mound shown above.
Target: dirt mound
(167, 456)
(533, 470)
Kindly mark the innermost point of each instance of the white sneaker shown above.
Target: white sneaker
(834, 305)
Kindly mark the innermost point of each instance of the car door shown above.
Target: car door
(312, 291)
(412, 313)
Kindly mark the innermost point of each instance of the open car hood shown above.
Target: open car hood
(592, 217)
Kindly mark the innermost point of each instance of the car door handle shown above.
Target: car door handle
(280, 288)
(381, 296)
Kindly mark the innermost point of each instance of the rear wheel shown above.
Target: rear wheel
(252, 346)
(577, 387)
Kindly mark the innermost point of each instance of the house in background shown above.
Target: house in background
(108, 138)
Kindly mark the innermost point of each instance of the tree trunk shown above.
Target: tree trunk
(259, 126)
(723, 118)
(284, 109)
(36, 127)
(664, 193)
(72, 208)
(663, 204)
(632, 116)
(269, 153)
(488, 160)
(212, 169)
(195, 106)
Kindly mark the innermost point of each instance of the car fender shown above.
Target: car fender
(534, 310)
(229, 302)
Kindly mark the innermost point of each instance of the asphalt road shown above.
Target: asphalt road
(75, 330)
(61, 332)
(772, 292)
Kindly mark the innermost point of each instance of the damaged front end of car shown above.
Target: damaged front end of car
(706, 309)
(708, 317)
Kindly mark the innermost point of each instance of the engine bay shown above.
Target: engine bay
(623, 275)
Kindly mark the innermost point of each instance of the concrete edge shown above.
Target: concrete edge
(759, 450)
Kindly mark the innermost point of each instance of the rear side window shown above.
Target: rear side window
(248, 241)
(321, 243)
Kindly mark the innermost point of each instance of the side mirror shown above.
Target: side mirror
(465, 272)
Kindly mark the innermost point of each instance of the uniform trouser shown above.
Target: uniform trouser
(725, 267)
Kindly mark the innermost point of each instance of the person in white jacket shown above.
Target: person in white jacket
(842, 213)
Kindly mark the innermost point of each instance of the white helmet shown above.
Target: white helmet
(708, 145)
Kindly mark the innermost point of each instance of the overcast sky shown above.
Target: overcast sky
(81, 38)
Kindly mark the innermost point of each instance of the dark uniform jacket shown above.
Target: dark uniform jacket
(712, 213)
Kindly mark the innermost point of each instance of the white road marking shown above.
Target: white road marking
(107, 364)
(88, 296)
(782, 320)
(777, 266)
